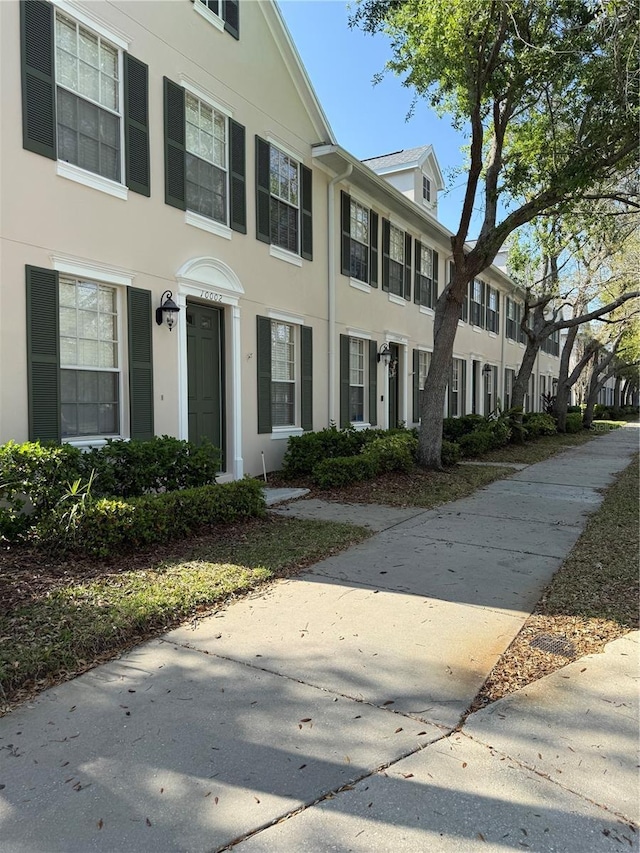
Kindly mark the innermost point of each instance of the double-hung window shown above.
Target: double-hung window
(359, 245)
(511, 326)
(396, 261)
(283, 374)
(89, 359)
(477, 296)
(493, 309)
(224, 14)
(456, 388)
(88, 99)
(426, 276)
(421, 363)
(206, 160)
(426, 189)
(285, 200)
(356, 380)
(509, 379)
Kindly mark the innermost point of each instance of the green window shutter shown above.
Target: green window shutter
(136, 125)
(417, 273)
(306, 377)
(373, 383)
(407, 266)
(463, 389)
(434, 289)
(344, 381)
(345, 229)
(373, 249)
(483, 305)
(263, 191)
(38, 78)
(43, 354)
(386, 246)
(306, 212)
(237, 194)
(416, 386)
(175, 191)
(231, 15)
(139, 323)
(264, 373)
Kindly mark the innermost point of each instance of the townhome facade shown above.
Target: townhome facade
(175, 156)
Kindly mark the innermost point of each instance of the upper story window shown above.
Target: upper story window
(396, 261)
(223, 14)
(284, 183)
(283, 202)
(513, 330)
(426, 189)
(87, 73)
(206, 160)
(493, 309)
(551, 344)
(426, 276)
(359, 247)
(89, 359)
(477, 297)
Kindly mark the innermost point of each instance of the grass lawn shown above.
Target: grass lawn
(592, 599)
(61, 617)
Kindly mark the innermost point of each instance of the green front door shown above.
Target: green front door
(205, 361)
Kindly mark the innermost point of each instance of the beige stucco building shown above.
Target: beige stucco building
(179, 147)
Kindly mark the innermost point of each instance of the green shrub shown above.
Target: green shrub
(110, 525)
(455, 428)
(574, 422)
(539, 423)
(305, 451)
(343, 470)
(33, 478)
(450, 452)
(393, 452)
(476, 443)
(574, 409)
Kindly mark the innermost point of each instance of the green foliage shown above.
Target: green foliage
(305, 451)
(574, 409)
(574, 422)
(476, 443)
(455, 428)
(450, 452)
(395, 452)
(35, 477)
(107, 526)
(343, 470)
(539, 423)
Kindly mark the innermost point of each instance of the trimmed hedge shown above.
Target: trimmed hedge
(539, 423)
(34, 477)
(477, 442)
(343, 470)
(395, 452)
(454, 428)
(110, 525)
(450, 452)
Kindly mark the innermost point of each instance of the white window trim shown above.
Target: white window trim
(397, 300)
(360, 285)
(365, 380)
(278, 433)
(284, 148)
(208, 15)
(283, 317)
(202, 94)
(85, 17)
(428, 311)
(478, 329)
(118, 189)
(206, 224)
(358, 333)
(492, 335)
(284, 254)
(96, 274)
(359, 425)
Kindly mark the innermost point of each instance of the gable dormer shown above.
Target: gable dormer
(414, 172)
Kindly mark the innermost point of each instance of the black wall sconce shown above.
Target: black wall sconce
(486, 370)
(384, 355)
(167, 310)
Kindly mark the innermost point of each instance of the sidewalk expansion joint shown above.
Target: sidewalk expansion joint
(435, 538)
(518, 519)
(409, 716)
(532, 769)
(327, 795)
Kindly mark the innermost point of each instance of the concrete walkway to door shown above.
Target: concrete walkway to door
(322, 713)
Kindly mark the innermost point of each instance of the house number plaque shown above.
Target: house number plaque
(212, 297)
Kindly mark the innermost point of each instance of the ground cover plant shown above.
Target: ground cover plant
(60, 616)
(591, 600)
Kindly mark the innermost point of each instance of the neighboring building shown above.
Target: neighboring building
(142, 166)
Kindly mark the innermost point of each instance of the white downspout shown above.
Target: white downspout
(331, 216)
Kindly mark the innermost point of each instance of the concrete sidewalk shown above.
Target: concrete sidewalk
(344, 687)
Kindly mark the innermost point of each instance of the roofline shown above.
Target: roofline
(413, 209)
(410, 164)
(303, 71)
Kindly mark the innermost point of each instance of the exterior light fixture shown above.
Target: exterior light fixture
(167, 310)
(486, 370)
(384, 355)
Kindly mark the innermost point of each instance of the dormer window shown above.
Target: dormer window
(426, 189)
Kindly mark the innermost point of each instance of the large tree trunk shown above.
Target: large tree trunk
(447, 314)
(616, 392)
(521, 382)
(563, 391)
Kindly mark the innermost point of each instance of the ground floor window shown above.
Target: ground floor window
(89, 359)
(283, 374)
(356, 380)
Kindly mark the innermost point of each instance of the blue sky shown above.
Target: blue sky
(368, 120)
